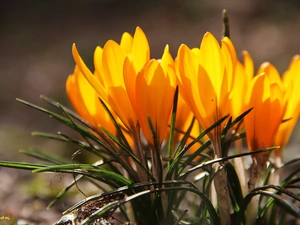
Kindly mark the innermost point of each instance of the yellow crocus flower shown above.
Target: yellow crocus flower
(151, 90)
(266, 97)
(291, 84)
(261, 124)
(243, 76)
(109, 82)
(109, 63)
(205, 81)
(134, 86)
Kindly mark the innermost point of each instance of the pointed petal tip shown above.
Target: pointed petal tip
(265, 65)
(139, 29)
(74, 50)
(207, 33)
(167, 48)
(296, 57)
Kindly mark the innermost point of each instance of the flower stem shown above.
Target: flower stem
(257, 174)
(221, 184)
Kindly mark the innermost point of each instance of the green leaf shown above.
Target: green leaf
(67, 188)
(206, 163)
(184, 150)
(48, 136)
(235, 121)
(234, 187)
(91, 169)
(43, 156)
(282, 202)
(172, 126)
(19, 165)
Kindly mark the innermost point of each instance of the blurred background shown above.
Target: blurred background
(35, 58)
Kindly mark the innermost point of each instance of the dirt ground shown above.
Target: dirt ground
(35, 58)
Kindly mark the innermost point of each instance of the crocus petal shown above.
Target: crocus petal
(130, 81)
(230, 60)
(113, 61)
(208, 99)
(272, 73)
(140, 49)
(166, 59)
(291, 83)
(98, 65)
(249, 66)
(75, 85)
(263, 121)
(85, 101)
(238, 92)
(211, 59)
(257, 121)
(154, 97)
(88, 75)
(126, 43)
(187, 78)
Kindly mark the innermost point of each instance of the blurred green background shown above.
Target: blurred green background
(35, 58)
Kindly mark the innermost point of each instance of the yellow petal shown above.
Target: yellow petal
(211, 59)
(85, 101)
(98, 64)
(140, 49)
(75, 94)
(113, 61)
(257, 121)
(208, 99)
(238, 93)
(249, 66)
(291, 83)
(230, 60)
(263, 121)
(88, 75)
(154, 99)
(130, 81)
(272, 73)
(120, 103)
(166, 59)
(126, 43)
(188, 70)
(292, 74)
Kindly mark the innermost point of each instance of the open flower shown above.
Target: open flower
(109, 63)
(109, 66)
(291, 85)
(266, 97)
(205, 81)
(243, 76)
(151, 90)
(139, 90)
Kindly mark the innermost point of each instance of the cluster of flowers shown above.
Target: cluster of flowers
(212, 83)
